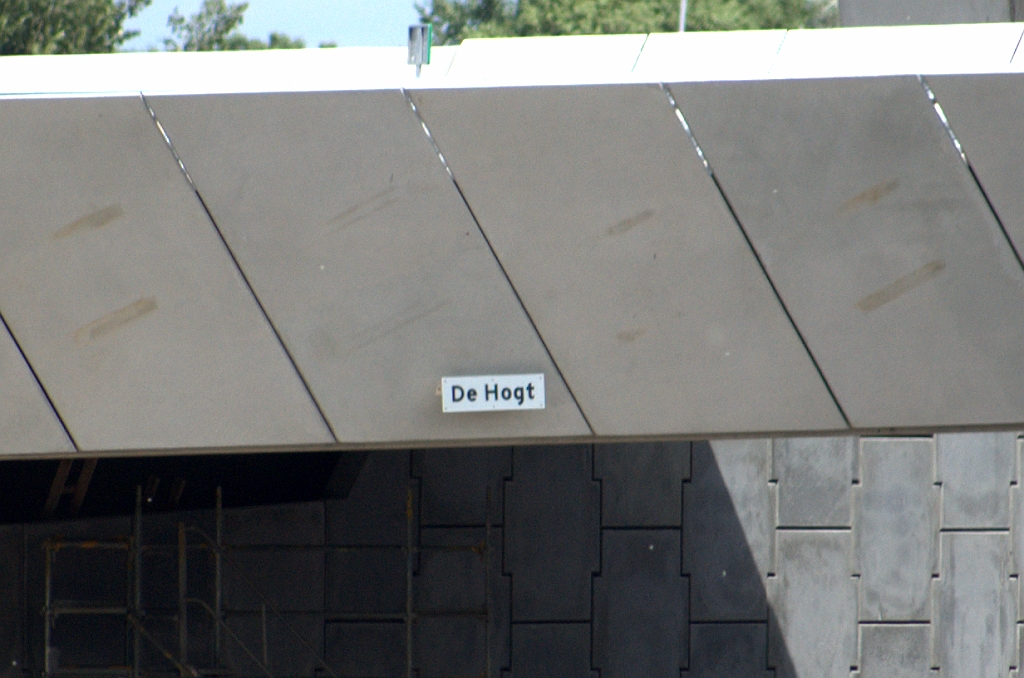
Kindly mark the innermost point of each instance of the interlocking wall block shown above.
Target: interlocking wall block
(374, 512)
(640, 606)
(974, 615)
(551, 651)
(727, 530)
(294, 644)
(975, 470)
(454, 484)
(733, 650)
(814, 600)
(451, 577)
(365, 649)
(895, 651)
(299, 524)
(641, 482)
(291, 581)
(365, 581)
(552, 532)
(815, 476)
(896, 522)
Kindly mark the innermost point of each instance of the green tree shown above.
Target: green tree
(65, 26)
(215, 27)
(456, 20)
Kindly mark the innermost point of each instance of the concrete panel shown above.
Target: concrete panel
(551, 651)
(895, 651)
(373, 514)
(294, 644)
(447, 647)
(552, 533)
(976, 470)
(365, 581)
(365, 257)
(903, 50)
(640, 606)
(896, 527)
(122, 295)
(545, 59)
(454, 484)
(728, 527)
(12, 600)
(291, 580)
(641, 483)
(815, 476)
(27, 422)
(814, 600)
(360, 649)
(981, 109)
(711, 55)
(718, 650)
(893, 13)
(878, 241)
(633, 270)
(974, 616)
(283, 524)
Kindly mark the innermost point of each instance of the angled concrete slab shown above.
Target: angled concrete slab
(122, 295)
(627, 260)
(878, 241)
(366, 259)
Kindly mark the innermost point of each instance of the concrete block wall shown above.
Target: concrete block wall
(790, 557)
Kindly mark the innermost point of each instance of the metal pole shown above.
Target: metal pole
(137, 583)
(47, 611)
(487, 586)
(408, 584)
(182, 593)
(219, 527)
(263, 619)
(682, 15)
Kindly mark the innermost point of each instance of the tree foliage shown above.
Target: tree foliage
(65, 26)
(215, 27)
(456, 20)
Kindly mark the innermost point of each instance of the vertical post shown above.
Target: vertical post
(263, 620)
(47, 611)
(219, 527)
(487, 586)
(137, 584)
(682, 16)
(408, 583)
(182, 593)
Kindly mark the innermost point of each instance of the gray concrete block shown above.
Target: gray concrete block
(640, 606)
(895, 651)
(814, 600)
(295, 644)
(728, 528)
(282, 524)
(975, 627)
(728, 650)
(291, 580)
(552, 533)
(447, 647)
(815, 476)
(366, 581)
(365, 650)
(975, 470)
(11, 599)
(641, 483)
(896, 526)
(374, 512)
(551, 651)
(454, 484)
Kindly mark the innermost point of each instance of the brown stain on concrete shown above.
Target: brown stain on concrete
(91, 222)
(627, 225)
(627, 336)
(870, 196)
(901, 286)
(115, 320)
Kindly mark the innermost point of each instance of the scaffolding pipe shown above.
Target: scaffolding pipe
(182, 593)
(47, 612)
(408, 583)
(217, 609)
(136, 566)
(487, 584)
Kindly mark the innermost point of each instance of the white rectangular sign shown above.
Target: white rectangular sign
(499, 392)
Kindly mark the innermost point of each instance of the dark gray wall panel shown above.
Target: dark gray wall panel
(627, 259)
(878, 241)
(366, 259)
(123, 297)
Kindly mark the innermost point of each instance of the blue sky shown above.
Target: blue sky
(347, 22)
